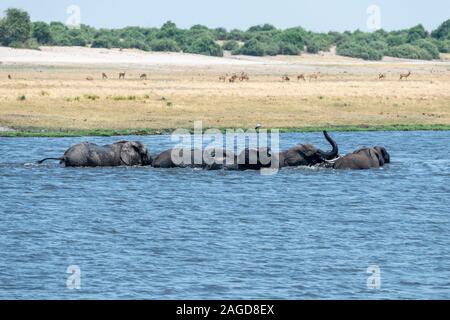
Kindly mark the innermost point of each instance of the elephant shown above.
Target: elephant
(255, 159)
(365, 158)
(308, 154)
(209, 159)
(300, 155)
(122, 153)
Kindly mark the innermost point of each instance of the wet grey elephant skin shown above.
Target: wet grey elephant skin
(210, 159)
(122, 153)
(299, 155)
(308, 154)
(362, 159)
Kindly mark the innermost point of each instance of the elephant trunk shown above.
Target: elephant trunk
(331, 154)
(43, 160)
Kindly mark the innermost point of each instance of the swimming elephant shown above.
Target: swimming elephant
(300, 155)
(308, 154)
(365, 158)
(122, 153)
(209, 159)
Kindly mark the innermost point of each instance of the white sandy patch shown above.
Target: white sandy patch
(79, 55)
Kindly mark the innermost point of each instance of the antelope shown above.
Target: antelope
(223, 78)
(143, 76)
(122, 75)
(233, 78)
(314, 76)
(104, 76)
(405, 75)
(301, 77)
(244, 76)
(9, 77)
(382, 76)
(285, 78)
(89, 79)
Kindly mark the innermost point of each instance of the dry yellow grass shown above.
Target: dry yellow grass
(347, 94)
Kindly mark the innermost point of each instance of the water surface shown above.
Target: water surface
(181, 233)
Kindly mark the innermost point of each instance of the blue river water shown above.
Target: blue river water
(144, 233)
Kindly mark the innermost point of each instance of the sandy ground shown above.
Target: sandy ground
(49, 89)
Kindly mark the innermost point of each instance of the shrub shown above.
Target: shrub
(288, 49)
(164, 45)
(102, 42)
(231, 45)
(443, 45)
(252, 47)
(206, 46)
(408, 51)
(356, 50)
(41, 32)
(429, 46)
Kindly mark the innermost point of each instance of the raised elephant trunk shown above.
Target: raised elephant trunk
(331, 154)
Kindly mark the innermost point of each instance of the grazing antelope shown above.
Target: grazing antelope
(405, 75)
(314, 76)
(122, 75)
(244, 76)
(285, 78)
(104, 76)
(301, 77)
(223, 78)
(233, 78)
(89, 79)
(382, 76)
(9, 77)
(143, 76)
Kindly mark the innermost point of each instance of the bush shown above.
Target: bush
(356, 50)
(102, 42)
(288, 49)
(164, 45)
(443, 45)
(41, 32)
(206, 46)
(429, 46)
(408, 51)
(231, 45)
(252, 47)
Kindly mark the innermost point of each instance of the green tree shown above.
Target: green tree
(443, 31)
(253, 47)
(416, 33)
(41, 32)
(206, 46)
(15, 28)
(168, 45)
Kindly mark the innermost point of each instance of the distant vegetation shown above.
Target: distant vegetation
(17, 31)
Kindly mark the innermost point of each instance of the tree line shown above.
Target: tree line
(18, 31)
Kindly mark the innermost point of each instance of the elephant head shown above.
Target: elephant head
(383, 156)
(308, 155)
(134, 153)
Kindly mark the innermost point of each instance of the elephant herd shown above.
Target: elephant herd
(134, 153)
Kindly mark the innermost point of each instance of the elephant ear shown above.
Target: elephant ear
(308, 150)
(130, 155)
(378, 156)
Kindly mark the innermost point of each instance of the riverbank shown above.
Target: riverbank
(38, 98)
(144, 132)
